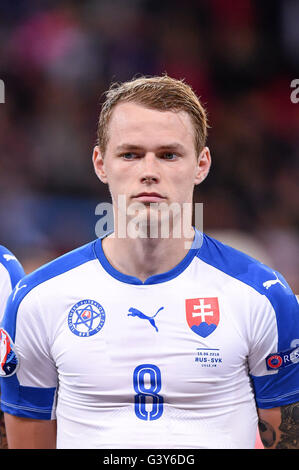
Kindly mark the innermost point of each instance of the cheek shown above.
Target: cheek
(184, 178)
(119, 182)
(184, 184)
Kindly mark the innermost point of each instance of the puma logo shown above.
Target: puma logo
(9, 257)
(134, 312)
(17, 288)
(271, 282)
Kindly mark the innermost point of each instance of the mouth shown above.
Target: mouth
(149, 197)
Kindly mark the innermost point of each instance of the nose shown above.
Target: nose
(150, 169)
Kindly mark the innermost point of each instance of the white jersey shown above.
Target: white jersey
(10, 273)
(179, 361)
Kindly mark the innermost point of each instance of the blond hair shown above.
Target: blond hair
(161, 93)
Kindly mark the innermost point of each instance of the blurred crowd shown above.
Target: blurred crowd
(57, 59)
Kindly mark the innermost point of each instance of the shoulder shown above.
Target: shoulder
(57, 267)
(262, 278)
(273, 296)
(10, 266)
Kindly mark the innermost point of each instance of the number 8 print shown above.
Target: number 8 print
(152, 391)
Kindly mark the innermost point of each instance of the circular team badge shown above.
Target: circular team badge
(274, 361)
(86, 318)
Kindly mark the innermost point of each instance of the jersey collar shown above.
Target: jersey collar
(157, 278)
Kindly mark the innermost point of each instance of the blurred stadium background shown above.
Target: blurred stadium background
(57, 58)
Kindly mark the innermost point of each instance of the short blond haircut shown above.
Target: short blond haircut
(161, 93)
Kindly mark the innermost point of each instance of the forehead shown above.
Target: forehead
(131, 121)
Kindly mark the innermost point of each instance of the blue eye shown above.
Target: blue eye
(169, 156)
(129, 156)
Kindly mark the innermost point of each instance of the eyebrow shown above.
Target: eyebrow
(131, 147)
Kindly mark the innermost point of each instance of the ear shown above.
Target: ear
(99, 164)
(203, 165)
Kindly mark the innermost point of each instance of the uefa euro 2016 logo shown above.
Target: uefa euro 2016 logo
(86, 318)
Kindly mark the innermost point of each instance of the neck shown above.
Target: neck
(145, 257)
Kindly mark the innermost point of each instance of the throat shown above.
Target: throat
(143, 258)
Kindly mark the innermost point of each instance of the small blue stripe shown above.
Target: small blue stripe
(277, 389)
(26, 402)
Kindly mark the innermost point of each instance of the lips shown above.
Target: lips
(149, 197)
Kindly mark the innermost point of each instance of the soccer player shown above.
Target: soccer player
(11, 272)
(138, 340)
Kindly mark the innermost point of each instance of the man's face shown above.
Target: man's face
(150, 156)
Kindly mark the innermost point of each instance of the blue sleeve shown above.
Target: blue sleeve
(279, 385)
